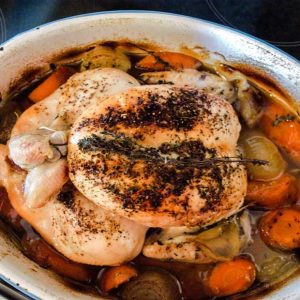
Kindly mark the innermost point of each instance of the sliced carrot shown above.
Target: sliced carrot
(283, 129)
(43, 254)
(273, 194)
(115, 276)
(230, 277)
(161, 61)
(50, 84)
(281, 228)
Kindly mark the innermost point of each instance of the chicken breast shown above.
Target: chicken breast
(88, 87)
(152, 154)
(75, 226)
(39, 137)
(60, 109)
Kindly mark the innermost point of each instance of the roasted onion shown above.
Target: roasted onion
(98, 56)
(256, 146)
(219, 243)
(152, 284)
(104, 57)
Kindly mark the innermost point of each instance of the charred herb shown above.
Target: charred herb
(120, 144)
(284, 118)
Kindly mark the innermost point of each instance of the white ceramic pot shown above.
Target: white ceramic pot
(170, 31)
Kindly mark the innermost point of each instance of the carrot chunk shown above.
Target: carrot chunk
(161, 61)
(283, 129)
(281, 228)
(273, 194)
(115, 276)
(230, 277)
(50, 84)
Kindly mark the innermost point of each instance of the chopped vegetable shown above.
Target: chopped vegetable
(98, 56)
(19, 89)
(273, 194)
(52, 83)
(248, 97)
(161, 61)
(228, 278)
(277, 268)
(44, 255)
(219, 243)
(256, 146)
(209, 60)
(104, 57)
(275, 96)
(283, 129)
(115, 276)
(152, 284)
(281, 228)
(133, 50)
(273, 266)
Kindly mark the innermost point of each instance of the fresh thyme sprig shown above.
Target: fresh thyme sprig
(119, 144)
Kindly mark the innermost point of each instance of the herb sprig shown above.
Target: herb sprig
(283, 118)
(119, 144)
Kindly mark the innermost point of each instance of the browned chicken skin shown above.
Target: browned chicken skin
(138, 153)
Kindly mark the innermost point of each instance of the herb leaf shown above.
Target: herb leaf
(283, 118)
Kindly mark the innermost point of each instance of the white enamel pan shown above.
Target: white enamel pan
(33, 47)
